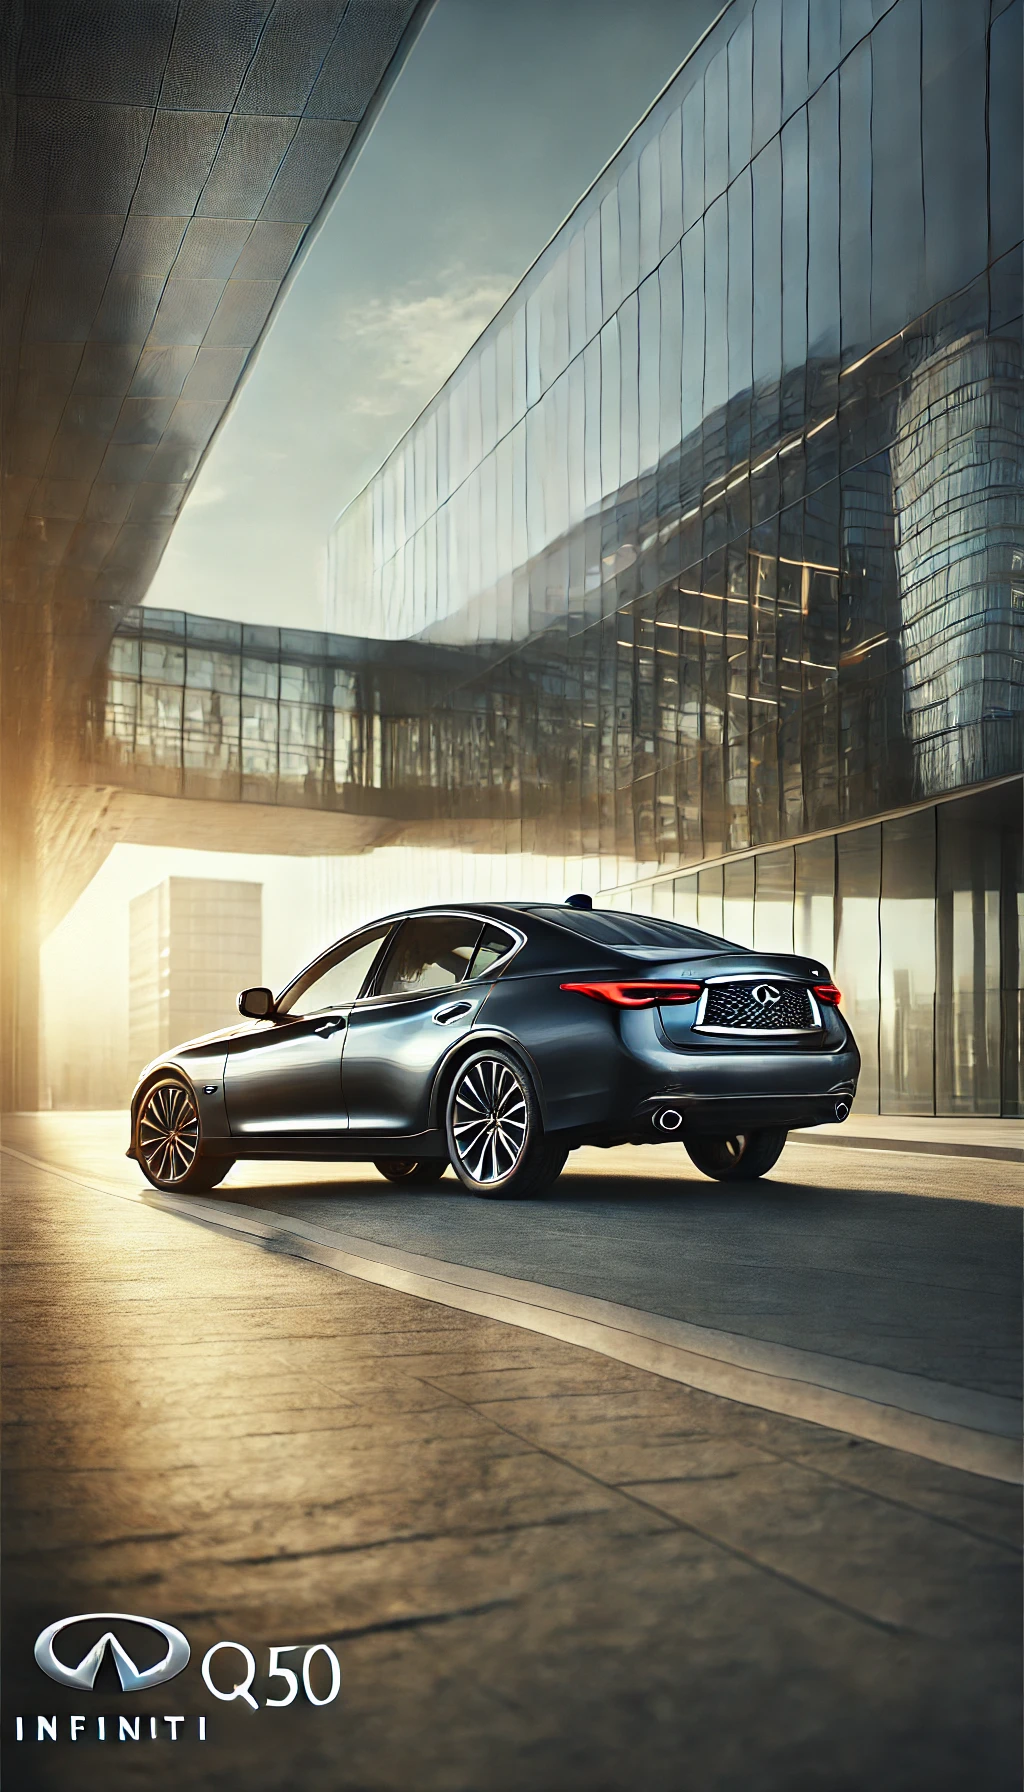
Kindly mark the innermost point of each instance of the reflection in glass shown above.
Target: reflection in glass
(907, 970)
(710, 918)
(857, 948)
(738, 902)
(978, 1003)
(814, 900)
(773, 902)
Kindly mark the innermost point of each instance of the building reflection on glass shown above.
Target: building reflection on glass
(707, 563)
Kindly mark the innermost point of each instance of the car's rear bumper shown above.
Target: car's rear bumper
(726, 1115)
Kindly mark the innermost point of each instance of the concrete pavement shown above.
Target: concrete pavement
(539, 1567)
(875, 1293)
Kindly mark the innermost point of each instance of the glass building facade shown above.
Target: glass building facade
(731, 492)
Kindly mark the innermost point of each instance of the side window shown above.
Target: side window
(337, 978)
(493, 944)
(430, 952)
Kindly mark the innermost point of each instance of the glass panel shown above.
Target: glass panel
(684, 900)
(795, 37)
(855, 201)
(773, 901)
(794, 268)
(1006, 163)
(716, 287)
(693, 156)
(738, 913)
(740, 78)
(671, 160)
(661, 900)
(650, 394)
(906, 1042)
(857, 948)
(716, 128)
(897, 211)
(978, 902)
(629, 227)
(823, 225)
(767, 295)
(710, 917)
(767, 66)
(741, 293)
(953, 82)
(671, 361)
(650, 207)
(814, 905)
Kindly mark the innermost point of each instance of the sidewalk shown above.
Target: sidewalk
(962, 1137)
(538, 1568)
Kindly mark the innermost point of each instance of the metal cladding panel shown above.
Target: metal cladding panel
(166, 163)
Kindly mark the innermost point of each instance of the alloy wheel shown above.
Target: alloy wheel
(168, 1133)
(490, 1121)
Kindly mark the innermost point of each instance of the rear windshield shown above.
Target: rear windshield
(610, 928)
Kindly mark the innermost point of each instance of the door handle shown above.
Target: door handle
(329, 1027)
(454, 1011)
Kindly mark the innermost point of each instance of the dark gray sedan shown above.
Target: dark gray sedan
(497, 1037)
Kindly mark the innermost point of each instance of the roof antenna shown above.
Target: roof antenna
(580, 900)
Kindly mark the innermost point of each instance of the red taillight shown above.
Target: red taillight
(828, 993)
(637, 995)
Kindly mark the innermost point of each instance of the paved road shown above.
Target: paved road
(540, 1568)
(887, 1275)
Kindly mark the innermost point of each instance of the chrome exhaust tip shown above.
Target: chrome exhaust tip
(668, 1119)
(842, 1109)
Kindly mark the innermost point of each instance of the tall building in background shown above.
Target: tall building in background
(728, 505)
(194, 942)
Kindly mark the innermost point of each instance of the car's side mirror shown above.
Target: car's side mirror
(256, 1004)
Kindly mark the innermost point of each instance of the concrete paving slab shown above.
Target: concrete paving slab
(510, 1609)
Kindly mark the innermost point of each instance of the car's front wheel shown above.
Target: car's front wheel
(496, 1138)
(169, 1141)
(742, 1156)
(418, 1172)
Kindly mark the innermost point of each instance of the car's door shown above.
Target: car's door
(426, 994)
(284, 1077)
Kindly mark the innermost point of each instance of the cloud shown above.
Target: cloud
(206, 493)
(419, 338)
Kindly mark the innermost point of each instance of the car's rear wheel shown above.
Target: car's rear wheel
(496, 1138)
(169, 1140)
(420, 1172)
(739, 1157)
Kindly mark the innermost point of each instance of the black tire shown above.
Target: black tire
(419, 1172)
(168, 1140)
(740, 1158)
(496, 1139)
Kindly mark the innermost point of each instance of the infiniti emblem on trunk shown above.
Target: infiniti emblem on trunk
(766, 994)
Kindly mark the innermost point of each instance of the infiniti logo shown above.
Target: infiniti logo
(766, 994)
(132, 1678)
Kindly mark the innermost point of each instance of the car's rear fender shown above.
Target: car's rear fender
(467, 1047)
(580, 1069)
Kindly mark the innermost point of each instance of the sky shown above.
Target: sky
(501, 118)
